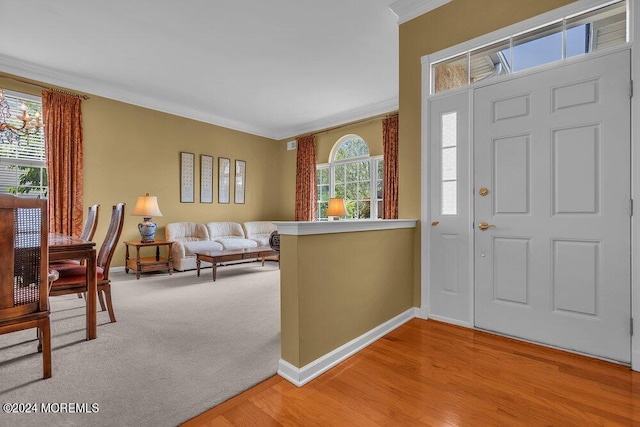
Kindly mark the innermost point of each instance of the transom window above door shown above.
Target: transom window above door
(574, 35)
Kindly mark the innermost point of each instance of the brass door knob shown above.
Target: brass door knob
(484, 226)
(483, 191)
(434, 223)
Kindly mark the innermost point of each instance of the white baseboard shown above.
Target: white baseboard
(301, 376)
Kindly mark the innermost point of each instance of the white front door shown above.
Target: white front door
(552, 150)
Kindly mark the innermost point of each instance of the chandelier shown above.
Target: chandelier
(14, 128)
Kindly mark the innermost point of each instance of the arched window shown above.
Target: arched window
(351, 174)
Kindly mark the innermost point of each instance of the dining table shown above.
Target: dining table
(63, 247)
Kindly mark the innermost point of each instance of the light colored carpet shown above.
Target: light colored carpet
(181, 345)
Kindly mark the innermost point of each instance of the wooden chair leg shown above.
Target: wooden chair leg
(101, 300)
(107, 293)
(45, 331)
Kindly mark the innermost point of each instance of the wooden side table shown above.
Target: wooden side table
(145, 264)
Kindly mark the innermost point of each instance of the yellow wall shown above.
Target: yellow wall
(449, 25)
(130, 151)
(336, 287)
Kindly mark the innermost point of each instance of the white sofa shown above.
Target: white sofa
(191, 237)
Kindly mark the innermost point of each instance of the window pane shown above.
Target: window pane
(449, 198)
(379, 190)
(451, 74)
(340, 191)
(323, 193)
(322, 209)
(352, 172)
(352, 146)
(598, 29)
(364, 190)
(364, 170)
(22, 161)
(449, 125)
(340, 173)
(449, 164)
(352, 191)
(380, 209)
(490, 61)
(364, 209)
(537, 47)
(322, 175)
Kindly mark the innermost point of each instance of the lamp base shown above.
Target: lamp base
(147, 229)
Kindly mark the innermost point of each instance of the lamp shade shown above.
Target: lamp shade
(337, 207)
(147, 206)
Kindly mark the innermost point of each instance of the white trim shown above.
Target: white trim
(304, 228)
(301, 376)
(633, 18)
(406, 10)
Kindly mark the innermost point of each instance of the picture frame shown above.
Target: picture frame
(224, 183)
(240, 181)
(187, 177)
(206, 178)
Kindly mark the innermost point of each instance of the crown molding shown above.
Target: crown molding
(96, 87)
(406, 10)
(343, 118)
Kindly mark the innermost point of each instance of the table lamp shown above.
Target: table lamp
(146, 207)
(336, 209)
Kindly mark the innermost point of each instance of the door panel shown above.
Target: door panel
(449, 213)
(553, 148)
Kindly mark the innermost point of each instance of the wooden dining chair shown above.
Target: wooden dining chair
(73, 277)
(91, 224)
(24, 274)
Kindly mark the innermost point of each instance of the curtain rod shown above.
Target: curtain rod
(84, 97)
(357, 122)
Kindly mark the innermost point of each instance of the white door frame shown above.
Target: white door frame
(633, 17)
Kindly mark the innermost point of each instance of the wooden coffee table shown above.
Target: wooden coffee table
(216, 257)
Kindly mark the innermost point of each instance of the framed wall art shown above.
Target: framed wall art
(240, 180)
(223, 180)
(187, 173)
(206, 179)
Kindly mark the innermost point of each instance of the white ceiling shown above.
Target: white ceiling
(274, 68)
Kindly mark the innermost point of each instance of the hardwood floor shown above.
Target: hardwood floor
(431, 373)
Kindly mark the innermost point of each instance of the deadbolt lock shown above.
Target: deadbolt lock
(483, 191)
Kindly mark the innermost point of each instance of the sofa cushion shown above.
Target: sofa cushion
(193, 246)
(261, 241)
(236, 243)
(224, 230)
(258, 229)
(186, 230)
